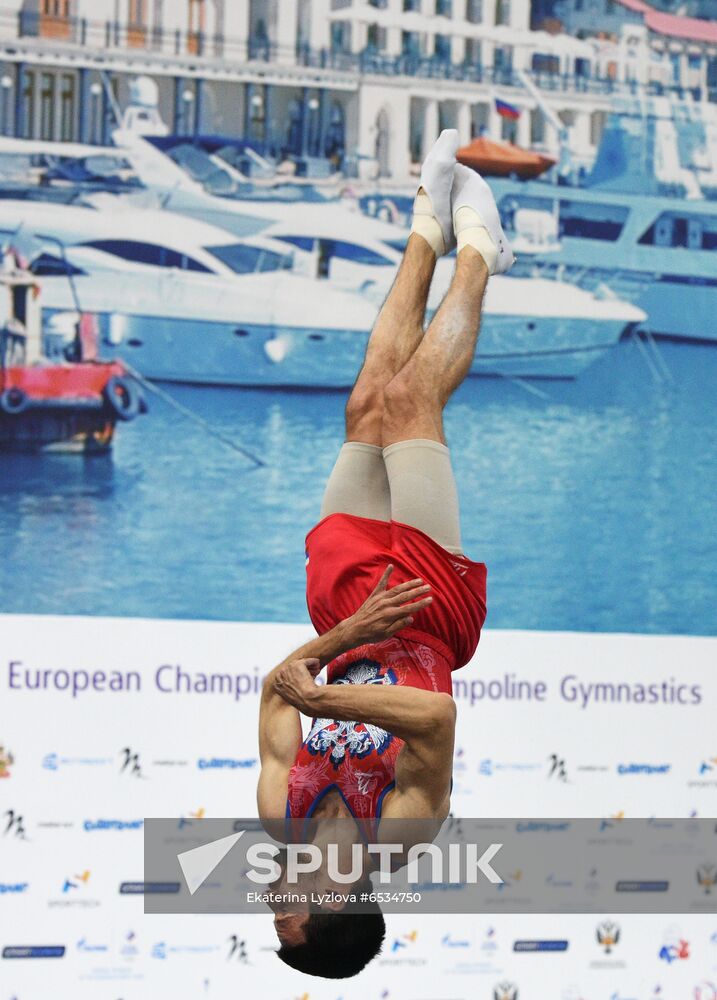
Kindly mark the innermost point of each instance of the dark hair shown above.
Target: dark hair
(338, 945)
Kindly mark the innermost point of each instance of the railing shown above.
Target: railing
(134, 36)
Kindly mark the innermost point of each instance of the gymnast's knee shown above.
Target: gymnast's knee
(364, 413)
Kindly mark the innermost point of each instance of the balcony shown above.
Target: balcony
(40, 25)
(262, 49)
(136, 36)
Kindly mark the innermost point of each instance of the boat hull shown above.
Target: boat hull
(200, 352)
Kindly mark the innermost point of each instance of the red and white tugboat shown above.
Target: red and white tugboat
(71, 402)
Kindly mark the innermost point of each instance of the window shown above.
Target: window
(49, 266)
(341, 36)
(67, 108)
(444, 8)
(473, 51)
(137, 12)
(579, 219)
(694, 60)
(47, 109)
(195, 34)
(55, 19)
(537, 126)
(354, 252)
(592, 220)
(137, 26)
(55, 8)
(409, 5)
(376, 38)
(148, 253)
(342, 249)
(442, 48)
(28, 105)
(692, 232)
(597, 126)
(243, 259)
(502, 12)
(410, 43)
(474, 11)
(542, 62)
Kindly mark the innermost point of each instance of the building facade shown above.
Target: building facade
(369, 83)
(685, 44)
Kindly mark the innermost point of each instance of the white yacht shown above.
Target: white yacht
(189, 304)
(546, 329)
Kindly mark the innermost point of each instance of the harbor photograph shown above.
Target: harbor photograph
(194, 258)
(384, 331)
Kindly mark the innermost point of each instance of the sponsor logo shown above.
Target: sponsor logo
(33, 951)
(14, 825)
(637, 885)
(489, 942)
(148, 888)
(76, 882)
(611, 821)
(674, 947)
(542, 826)
(225, 763)
(556, 882)
(53, 761)
(6, 762)
(13, 888)
(643, 768)
(192, 816)
(608, 935)
(86, 946)
(237, 950)
(448, 941)
(540, 945)
(112, 824)
(404, 941)
(557, 768)
(161, 950)
(129, 947)
(489, 768)
(130, 763)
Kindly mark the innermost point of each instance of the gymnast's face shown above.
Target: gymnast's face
(291, 928)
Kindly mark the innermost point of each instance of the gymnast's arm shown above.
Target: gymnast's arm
(424, 720)
(382, 614)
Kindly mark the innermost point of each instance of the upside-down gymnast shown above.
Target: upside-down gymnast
(396, 604)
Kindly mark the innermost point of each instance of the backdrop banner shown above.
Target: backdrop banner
(106, 723)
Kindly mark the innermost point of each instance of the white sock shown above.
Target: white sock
(426, 224)
(472, 232)
(432, 207)
(476, 220)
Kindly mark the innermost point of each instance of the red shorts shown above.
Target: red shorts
(346, 556)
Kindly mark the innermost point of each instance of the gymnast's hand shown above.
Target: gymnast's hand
(294, 681)
(385, 612)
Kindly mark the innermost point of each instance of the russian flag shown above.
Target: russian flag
(506, 110)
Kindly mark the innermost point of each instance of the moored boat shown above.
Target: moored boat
(503, 159)
(58, 403)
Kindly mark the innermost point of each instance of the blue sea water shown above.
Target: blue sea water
(593, 503)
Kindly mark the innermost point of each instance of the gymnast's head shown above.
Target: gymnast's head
(324, 939)
(329, 942)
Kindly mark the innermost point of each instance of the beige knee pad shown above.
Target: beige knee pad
(358, 483)
(423, 490)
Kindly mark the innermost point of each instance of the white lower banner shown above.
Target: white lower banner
(105, 722)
